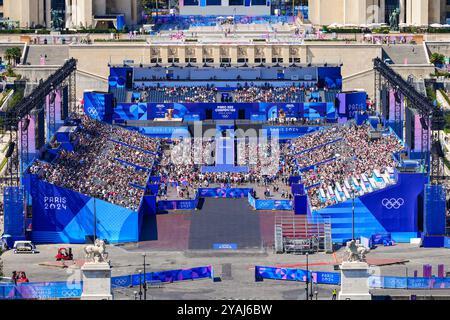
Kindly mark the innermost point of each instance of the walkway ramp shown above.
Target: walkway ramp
(225, 222)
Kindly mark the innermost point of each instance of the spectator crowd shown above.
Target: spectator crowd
(96, 168)
(339, 153)
(113, 164)
(246, 93)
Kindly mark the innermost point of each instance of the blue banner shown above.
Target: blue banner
(222, 111)
(164, 205)
(223, 192)
(98, 105)
(349, 104)
(270, 204)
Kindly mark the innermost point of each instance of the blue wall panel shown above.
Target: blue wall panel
(64, 216)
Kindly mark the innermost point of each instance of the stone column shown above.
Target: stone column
(96, 281)
(251, 54)
(164, 54)
(382, 12)
(199, 54)
(402, 11)
(354, 281)
(234, 54)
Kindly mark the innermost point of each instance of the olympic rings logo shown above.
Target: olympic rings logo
(70, 293)
(393, 203)
(120, 282)
(92, 111)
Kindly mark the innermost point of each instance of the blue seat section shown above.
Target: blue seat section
(120, 93)
(341, 221)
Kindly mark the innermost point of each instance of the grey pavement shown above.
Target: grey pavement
(237, 278)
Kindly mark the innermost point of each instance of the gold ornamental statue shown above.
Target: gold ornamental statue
(282, 115)
(169, 114)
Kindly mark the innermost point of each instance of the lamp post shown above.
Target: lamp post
(140, 284)
(353, 213)
(307, 277)
(95, 220)
(406, 287)
(145, 280)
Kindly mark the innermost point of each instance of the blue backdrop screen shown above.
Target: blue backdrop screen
(64, 216)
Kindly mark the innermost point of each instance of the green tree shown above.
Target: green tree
(437, 58)
(12, 55)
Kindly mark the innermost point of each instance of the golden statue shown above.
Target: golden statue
(169, 114)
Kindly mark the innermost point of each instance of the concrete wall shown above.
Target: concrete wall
(420, 12)
(354, 57)
(104, 54)
(441, 47)
(27, 12)
(366, 78)
(85, 80)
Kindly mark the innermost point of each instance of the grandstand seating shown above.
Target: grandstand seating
(120, 93)
(206, 94)
(109, 163)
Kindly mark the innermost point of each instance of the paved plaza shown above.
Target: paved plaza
(239, 283)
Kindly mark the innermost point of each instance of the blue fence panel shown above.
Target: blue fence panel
(41, 290)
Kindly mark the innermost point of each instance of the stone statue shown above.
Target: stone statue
(393, 20)
(57, 21)
(356, 251)
(96, 253)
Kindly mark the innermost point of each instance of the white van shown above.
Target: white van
(24, 247)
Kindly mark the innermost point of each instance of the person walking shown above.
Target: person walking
(334, 293)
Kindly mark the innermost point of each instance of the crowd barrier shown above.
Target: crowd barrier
(408, 283)
(270, 204)
(205, 272)
(334, 278)
(223, 192)
(164, 205)
(68, 290)
(41, 290)
(287, 274)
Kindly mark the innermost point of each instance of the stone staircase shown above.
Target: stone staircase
(413, 54)
(56, 54)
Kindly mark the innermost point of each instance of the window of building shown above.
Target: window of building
(260, 60)
(173, 60)
(242, 60)
(191, 2)
(275, 60)
(390, 6)
(294, 60)
(155, 60)
(259, 2)
(208, 60)
(213, 2)
(190, 60)
(236, 2)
